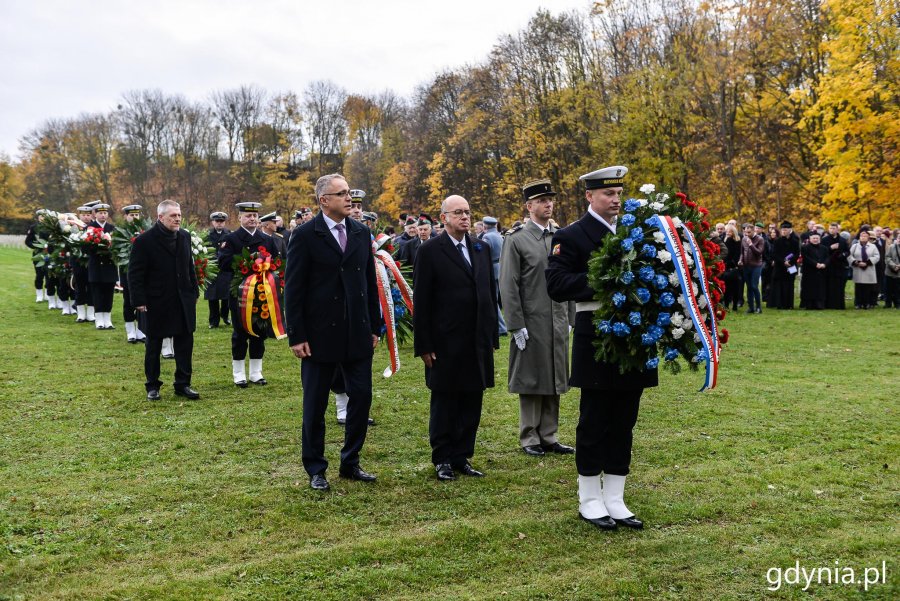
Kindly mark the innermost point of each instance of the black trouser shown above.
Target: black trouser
(865, 295)
(892, 292)
(241, 341)
(82, 287)
(604, 434)
(338, 383)
(50, 283)
(102, 294)
(317, 378)
(63, 290)
(40, 272)
(128, 312)
(455, 417)
(782, 293)
(184, 349)
(218, 310)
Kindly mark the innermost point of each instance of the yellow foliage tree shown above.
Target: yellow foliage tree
(286, 192)
(858, 106)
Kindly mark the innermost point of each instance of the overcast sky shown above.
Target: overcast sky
(62, 58)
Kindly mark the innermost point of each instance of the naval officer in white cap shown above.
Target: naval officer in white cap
(609, 400)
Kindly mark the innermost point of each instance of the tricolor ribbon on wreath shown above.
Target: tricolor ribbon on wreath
(706, 329)
(258, 296)
(385, 270)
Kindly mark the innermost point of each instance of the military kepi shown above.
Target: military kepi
(538, 188)
(132, 209)
(248, 207)
(218, 216)
(608, 177)
(270, 217)
(357, 195)
(101, 206)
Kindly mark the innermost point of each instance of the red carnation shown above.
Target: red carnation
(723, 335)
(681, 196)
(244, 270)
(703, 211)
(704, 226)
(690, 203)
(720, 313)
(690, 225)
(261, 249)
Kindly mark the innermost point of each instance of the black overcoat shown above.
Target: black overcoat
(330, 297)
(164, 282)
(455, 314)
(567, 280)
(784, 247)
(102, 268)
(235, 242)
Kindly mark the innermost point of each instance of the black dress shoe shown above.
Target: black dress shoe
(467, 470)
(187, 392)
(444, 472)
(558, 447)
(260, 382)
(213, 326)
(318, 482)
(168, 356)
(604, 523)
(153, 394)
(355, 472)
(534, 450)
(227, 322)
(631, 522)
(241, 383)
(341, 422)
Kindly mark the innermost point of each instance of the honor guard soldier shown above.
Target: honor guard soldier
(609, 399)
(40, 270)
(539, 348)
(84, 302)
(493, 239)
(269, 224)
(133, 332)
(356, 197)
(218, 291)
(250, 237)
(102, 272)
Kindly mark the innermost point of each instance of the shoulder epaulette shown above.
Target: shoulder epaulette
(514, 229)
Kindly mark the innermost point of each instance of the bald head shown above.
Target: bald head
(455, 216)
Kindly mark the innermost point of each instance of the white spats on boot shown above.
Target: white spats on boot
(256, 375)
(590, 501)
(107, 319)
(39, 296)
(91, 316)
(99, 321)
(139, 336)
(168, 348)
(81, 312)
(613, 495)
(52, 302)
(340, 403)
(67, 308)
(238, 372)
(130, 327)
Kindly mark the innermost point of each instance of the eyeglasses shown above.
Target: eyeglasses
(459, 213)
(341, 194)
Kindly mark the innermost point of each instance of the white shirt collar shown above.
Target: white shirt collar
(249, 232)
(595, 215)
(331, 222)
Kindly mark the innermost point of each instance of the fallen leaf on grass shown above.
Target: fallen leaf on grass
(521, 535)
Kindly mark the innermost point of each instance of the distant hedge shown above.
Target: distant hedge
(14, 225)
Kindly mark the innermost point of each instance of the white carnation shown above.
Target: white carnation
(666, 256)
(673, 279)
(689, 260)
(677, 333)
(642, 202)
(657, 206)
(701, 301)
(659, 237)
(682, 301)
(697, 338)
(677, 319)
(661, 197)
(687, 324)
(648, 189)
(676, 221)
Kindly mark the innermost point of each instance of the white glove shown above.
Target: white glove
(520, 337)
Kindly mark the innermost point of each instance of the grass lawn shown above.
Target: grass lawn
(794, 457)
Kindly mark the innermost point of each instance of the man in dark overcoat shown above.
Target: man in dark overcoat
(609, 400)
(247, 236)
(218, 291)
(333, 322)
(455, 330)
(163, 286)
(786, 255)
(836, 272)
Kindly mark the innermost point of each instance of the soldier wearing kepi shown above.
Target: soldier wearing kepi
(133, 332)
(102, 272)
(268, 224)
(539, 348)
(250, 237)
(218, 291)
(609, 399)
(356, 197)
(84, 302)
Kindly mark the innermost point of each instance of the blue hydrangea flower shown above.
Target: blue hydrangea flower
(636, 234)
(666, 299)
(621, 329)
(632, 205)
(661, 282)
(627, 277)
(618, 299)
(646, 273)
(603, 327)
(656, 331)
(634, 318)
(627, 219)
(671, 354)
(383, 329)
(627, 244)
(652, 221)
(396, 295)
(702, 355)
(644, 295)
(399, 311)
(652, 363)
(648, 250)
(663, 319)
(647, 339)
